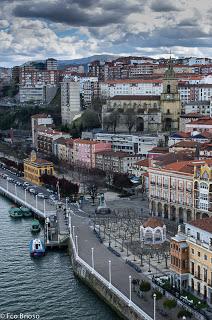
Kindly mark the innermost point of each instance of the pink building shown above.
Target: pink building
(84, 151)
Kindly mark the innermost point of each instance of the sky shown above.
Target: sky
(69, 29)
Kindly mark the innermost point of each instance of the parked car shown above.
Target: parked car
(41, 195)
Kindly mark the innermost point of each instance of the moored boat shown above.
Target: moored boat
(15, 212)
(35, 227)
(36, 248)
(26, 212)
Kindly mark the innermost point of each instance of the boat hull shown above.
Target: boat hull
(36, 251)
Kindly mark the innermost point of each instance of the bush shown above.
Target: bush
(184, 313)
(170, 304)
(159, 295)
(145, 286)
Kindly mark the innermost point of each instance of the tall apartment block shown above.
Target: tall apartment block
(70, 100)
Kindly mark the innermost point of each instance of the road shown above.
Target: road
(42, 205)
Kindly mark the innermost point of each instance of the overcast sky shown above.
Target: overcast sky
(67, 29)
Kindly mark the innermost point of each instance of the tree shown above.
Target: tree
(90, 120)
(92, 189)
(130, 119)
(121, 181)
(114, 118)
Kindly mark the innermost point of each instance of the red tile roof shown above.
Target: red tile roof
(182, 166)
(204, 121)
(111, 153)
(143, 163)
(185, 144)
(204, 224)
(153, 223)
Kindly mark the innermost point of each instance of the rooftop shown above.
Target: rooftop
(111, 153)
(204, 224)
(153, 223)
(185, 144)
(136, 97)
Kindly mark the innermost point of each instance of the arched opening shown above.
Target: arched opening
(166, 211)
(160, 210)
(198, 215)
(168, 88)
(205, 215)
(168, 124)
(158, 237)
(173, 213)
(148, 236)
(189, 215)
(139, 124)
(153, 208)
(180, 215)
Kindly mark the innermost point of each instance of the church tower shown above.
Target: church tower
(170, 103)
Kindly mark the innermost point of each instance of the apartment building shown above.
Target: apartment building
(46, 137)
(115, 161)
(191, 258)
(84, 151)
(70, 100)
(38, 120)
(132, 144)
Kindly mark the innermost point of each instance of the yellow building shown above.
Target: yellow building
(34, 168)
(196, 273)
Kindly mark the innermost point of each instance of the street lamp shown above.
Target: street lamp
(44, 206)
(25, 196)
(109, 274)
(7, 185)
(184, 318)
(130, 290)
(73, 232)
(36, 201)
(47, 230)
(76, 243)
(92, 259)
(67, 207)
(15, 190)
(154, 301)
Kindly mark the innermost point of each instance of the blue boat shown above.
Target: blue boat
(37, 248)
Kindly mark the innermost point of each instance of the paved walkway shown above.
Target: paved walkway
(120, 270)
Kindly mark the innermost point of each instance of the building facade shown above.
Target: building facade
(70, 100)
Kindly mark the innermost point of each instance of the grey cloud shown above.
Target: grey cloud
(76, 13)
(164, 6)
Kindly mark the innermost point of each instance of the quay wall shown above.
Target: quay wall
(126, 309)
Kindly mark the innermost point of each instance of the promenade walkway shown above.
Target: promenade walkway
(120, 270)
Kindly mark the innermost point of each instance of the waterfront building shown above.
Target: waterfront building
(70, 100)
(37, 120)
(191, 258)
(115, 161)
(84, 151)
(34, 168)
(46, 137)
(181, 191)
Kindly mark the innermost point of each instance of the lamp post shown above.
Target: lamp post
(7, 185)
(73, 232)
(92, 259)
(44, 206)
(47, 230)
(70, 221)
(109, 274)
(15, 190)
(149, 264)
(76, 243)
(25, 196)
(154, 301)
(67, 207)
(130, 290)
(36, 201)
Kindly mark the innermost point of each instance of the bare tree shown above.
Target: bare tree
(130, 119)
(115, 115)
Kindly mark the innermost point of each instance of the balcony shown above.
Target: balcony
(197, 276)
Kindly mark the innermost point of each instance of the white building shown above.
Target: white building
(130, 143)
(70, 100)
(202, 107)
(37, 93)
(131, 87)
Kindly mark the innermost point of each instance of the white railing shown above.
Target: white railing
(26, 204)
(109, 285)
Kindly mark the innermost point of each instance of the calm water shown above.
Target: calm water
(45, 287)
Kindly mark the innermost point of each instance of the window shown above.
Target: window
(198, 236)
(205, 257)
(192, 251)
(198, 254)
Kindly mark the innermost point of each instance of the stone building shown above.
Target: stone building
(145, 113)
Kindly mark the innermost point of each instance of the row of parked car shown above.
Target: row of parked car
(52, 197)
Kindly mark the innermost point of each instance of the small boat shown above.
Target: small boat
(26, 212)
(37, 248)
(35, 227)
(15, 212)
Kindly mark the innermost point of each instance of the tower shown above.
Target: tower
(170, 100)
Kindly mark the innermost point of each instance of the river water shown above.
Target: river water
(44, 288)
